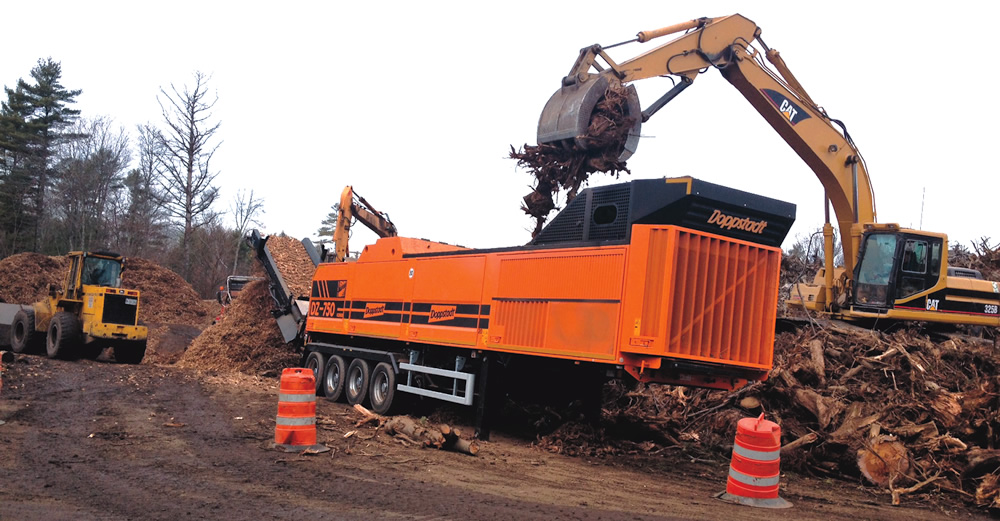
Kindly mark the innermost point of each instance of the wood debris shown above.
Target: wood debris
(560, 166)
(908, 411)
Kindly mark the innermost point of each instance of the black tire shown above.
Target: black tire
(22, 331)
(63, 336)
(333, 378)
(316, 364)
(382, 391)
(356, 383)
(130, 352)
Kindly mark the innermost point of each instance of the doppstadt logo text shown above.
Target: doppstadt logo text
(442, 313)
(374, 310)
(728, 222)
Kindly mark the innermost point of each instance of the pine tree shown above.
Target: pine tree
(31, 124)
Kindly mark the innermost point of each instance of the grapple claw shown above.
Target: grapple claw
(567, 114)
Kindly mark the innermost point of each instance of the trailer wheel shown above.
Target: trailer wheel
(130, 352)
(383, 388)
(356, 383)
(22, 331)
(64, 331)
(316, 364)
(333, 378)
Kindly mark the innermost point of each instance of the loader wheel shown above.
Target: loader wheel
(130, 352)
(383, 388)
(333, 378)
(356, 383)
(315, 363)
(63, 337)
(22, 331)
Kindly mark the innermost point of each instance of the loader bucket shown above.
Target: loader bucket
(567, 114)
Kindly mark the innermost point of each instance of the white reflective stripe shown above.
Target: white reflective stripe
(757, 455)
(296, 421)
(282, 397)
(752, 481)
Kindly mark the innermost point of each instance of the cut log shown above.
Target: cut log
(440, 436)
(465, 446)
(750, 403)
(430, 437)
(369, 417)
(802, 441)
(883, 460)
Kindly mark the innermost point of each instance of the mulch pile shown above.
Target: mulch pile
(294, 263)
(25, 277)
(567, 166)
(246, 340)
(166, 296)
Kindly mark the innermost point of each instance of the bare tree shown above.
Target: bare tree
(139, 223)
(245, 208)
(90, 171)
(188, 144)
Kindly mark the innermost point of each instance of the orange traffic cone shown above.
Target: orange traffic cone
(754, 468)
(295, 427)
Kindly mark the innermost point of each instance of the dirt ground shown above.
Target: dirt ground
(94, 440)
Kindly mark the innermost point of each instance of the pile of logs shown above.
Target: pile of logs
(903, 411)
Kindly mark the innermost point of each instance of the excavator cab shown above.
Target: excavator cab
(894, 267)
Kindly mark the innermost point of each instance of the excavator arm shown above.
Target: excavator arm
(353, 206)
(725, 44)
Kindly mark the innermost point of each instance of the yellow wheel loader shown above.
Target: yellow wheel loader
(90, 312)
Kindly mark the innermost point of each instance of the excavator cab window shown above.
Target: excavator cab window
(920, 267)
(875, 270)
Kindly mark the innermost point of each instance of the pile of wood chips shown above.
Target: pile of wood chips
(25, 277)
(166, 296)
(568, 166)
(901, 411)
(247, 339)
(294, 263)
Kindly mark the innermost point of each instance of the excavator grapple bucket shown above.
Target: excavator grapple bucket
(567, 114)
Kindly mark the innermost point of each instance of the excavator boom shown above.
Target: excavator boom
(889, 272)
(353, 206)
(724, 44)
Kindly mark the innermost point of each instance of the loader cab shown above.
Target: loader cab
(894, 266)
(101, 271)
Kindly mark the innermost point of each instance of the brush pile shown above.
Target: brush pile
(899, 410)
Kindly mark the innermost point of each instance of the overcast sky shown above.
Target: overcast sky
(416, 104)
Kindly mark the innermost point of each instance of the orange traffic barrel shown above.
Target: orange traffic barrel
(754, 468)
(295, 426)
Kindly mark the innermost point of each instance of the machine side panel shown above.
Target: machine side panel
(701, 297)
(564, 303)
(447, 299)
(328, 303)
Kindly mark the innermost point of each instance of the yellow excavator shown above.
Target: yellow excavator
(352, 206)
(889, 272)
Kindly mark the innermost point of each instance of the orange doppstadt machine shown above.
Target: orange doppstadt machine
(670, 280)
